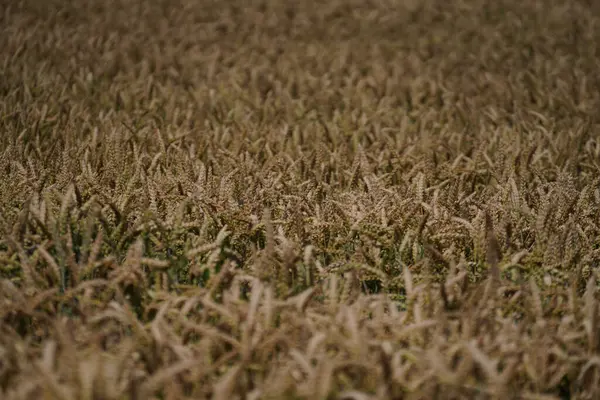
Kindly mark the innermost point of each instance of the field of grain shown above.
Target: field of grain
(311, 199)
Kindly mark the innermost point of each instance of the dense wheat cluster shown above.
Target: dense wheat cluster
(313, 199)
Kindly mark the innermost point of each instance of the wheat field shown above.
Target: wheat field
(311, 199)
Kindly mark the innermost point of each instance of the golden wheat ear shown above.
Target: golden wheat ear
(493, 251)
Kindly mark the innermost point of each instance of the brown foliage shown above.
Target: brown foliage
(261, 199)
